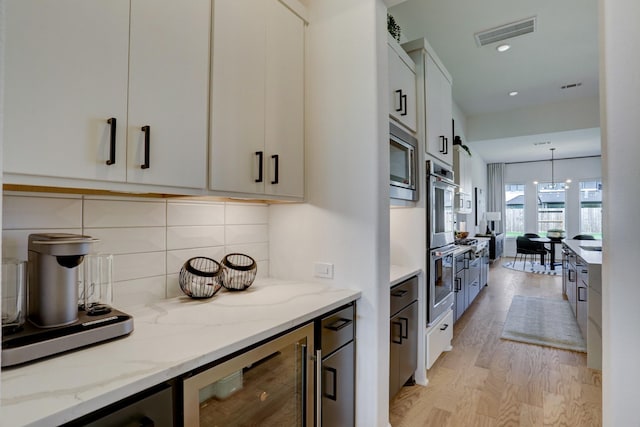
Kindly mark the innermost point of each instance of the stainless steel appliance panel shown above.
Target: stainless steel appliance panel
(403, 166)
(440, 206)
(441, 282)
(272, 384)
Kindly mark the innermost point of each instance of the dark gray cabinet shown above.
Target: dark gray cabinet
(460, 287)
(471, 275)
(403, 348)
(496, 245)
(473, 279)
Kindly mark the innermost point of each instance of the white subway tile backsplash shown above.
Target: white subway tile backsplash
(194, 213)
(257, 251)
(239, 234)
(137, 266)
(150, 238)
(41, 212)
(177, 258)
(15, 243)
(129, 240)
(246, 214)
(195, 237)
(141, 291)
(121, 213)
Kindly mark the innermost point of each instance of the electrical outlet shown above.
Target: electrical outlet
(323, 270)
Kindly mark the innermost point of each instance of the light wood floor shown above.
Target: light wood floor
(488, 381)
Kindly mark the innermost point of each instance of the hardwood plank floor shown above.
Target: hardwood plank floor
(488, 381)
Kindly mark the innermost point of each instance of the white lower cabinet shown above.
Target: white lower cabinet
(97, 89)
(257, 99)
(439, 338)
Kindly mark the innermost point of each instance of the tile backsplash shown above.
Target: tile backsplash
(149, 238)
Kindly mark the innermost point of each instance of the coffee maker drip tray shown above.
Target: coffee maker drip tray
(31, 343)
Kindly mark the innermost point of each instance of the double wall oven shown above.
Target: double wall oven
(440, 239)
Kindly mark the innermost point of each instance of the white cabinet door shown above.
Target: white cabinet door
(65, 74)
(237, 95)
(439, 113)
(402, 90)
(257, 98)
(169, 91)
(284, 103)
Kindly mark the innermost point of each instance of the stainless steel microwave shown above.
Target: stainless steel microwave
(403, 169)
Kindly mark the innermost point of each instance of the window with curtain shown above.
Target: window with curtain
(514, 210)
(591, 208)
(551, 207)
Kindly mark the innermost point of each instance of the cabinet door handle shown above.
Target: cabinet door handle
(446, 325)
(305, 384)
(404, 330)
(446, 146)
(393, 339)
(147, 146)
(403, 102)
(318, 388)
(260, 155)
(399, 293)
(339, 324)
(580, 288)
(442, 140)
(112, 141)
(275, 158)
(334, 383)
(399, 92)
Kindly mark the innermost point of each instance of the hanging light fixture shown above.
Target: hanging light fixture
(553, 183)
(553, 186)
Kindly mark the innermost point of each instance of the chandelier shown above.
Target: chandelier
(554, 185)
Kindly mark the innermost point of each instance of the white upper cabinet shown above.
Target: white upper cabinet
(402, 86)
(257, 99)
(462, 167)
(74, 66)
(169, 92)
(66, 69)
(434, 100)
(439, 113)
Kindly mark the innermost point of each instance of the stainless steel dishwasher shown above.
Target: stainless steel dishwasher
(335, 375)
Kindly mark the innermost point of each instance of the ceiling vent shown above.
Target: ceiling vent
(505, 32)
(571, 86)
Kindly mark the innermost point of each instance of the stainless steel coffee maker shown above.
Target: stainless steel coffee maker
(54, 260)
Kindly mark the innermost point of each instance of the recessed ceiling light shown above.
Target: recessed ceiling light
(503, 48)
(513, 93)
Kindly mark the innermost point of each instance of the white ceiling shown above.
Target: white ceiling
(563, 50)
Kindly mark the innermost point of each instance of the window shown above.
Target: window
(551, 207)
(591, 208)
(514, 212)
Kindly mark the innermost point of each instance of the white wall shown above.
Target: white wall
(346, 218)
(526, 172)
(620, 110)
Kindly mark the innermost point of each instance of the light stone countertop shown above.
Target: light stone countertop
(170, 338)
(399, 273)
(589, 256)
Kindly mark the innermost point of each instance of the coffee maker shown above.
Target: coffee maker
(57, 318)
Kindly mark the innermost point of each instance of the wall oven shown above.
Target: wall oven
(441, 205)
(403, 164)
(441, 278)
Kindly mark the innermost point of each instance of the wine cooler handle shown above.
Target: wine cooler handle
(112, 141)
(318, 387)
(147, 146)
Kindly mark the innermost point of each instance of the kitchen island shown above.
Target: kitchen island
(582, 286)
(169, 339)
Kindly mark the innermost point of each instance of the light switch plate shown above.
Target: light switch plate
(323, 270)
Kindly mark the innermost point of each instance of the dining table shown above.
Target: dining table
(552, 249)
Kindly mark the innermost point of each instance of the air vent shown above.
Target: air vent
(505, 32)
(542, 143)
(571, 86)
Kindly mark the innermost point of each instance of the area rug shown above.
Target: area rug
(533, 267)
(543, 321)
